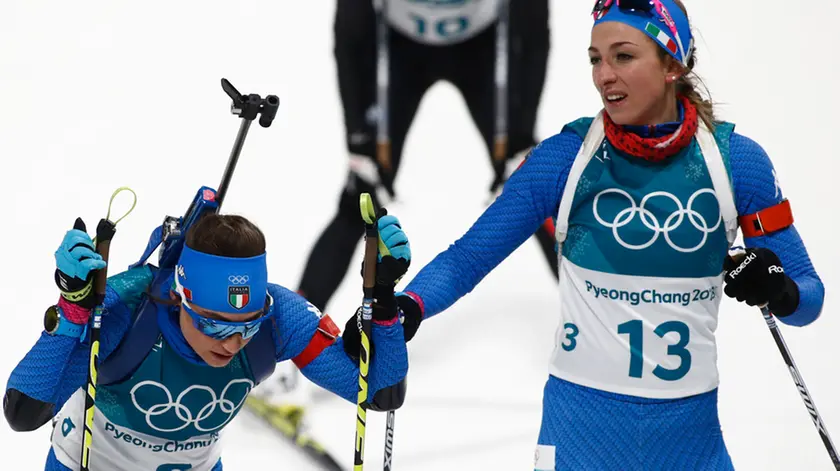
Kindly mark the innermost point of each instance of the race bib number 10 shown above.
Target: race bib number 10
(445, 28)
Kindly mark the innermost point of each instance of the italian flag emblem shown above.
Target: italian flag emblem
(238, 296)
(661, 37)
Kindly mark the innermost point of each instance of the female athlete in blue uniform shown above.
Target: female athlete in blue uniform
(181, 348)
(647, 198)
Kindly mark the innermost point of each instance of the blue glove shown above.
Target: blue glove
(75, 260)
(394, 259)
(394, 238)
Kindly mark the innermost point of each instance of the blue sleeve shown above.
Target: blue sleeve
(756, 188)
(297, 322)
(530, 197)
(57, 366)
(334, 370)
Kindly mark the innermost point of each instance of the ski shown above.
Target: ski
(285, 419)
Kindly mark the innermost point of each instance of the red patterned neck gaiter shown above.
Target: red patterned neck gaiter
(654, 149)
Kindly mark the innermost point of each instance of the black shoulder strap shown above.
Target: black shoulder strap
(261, 352)
(138, 341)
(141, 336)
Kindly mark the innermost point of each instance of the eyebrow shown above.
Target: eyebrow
(614, 45)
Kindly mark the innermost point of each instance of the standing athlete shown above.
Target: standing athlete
(425, 41)
(648, 196)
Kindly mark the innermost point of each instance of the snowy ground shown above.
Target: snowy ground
(98, 95)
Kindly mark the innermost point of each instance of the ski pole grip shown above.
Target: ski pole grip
(738, 256)
(371, 242)
(105, 231)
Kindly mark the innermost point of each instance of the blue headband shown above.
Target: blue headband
(655, 23)
(222, 284)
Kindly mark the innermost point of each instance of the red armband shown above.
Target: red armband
(767, 221)
(549, 227)
(325, 336)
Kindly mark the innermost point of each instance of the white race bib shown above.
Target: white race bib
(643, 336)
(119, 448)
(440, 22)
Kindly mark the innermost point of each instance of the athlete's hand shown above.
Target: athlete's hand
(756, 277)
(76, 262)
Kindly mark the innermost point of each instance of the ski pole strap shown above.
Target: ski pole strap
(76, 296)
(111, 203)
(105, 231)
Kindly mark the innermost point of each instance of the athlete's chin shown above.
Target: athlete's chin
(621, 114)
(216, 360)
(625, 112)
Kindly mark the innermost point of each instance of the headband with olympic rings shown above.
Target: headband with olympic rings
(222, 284)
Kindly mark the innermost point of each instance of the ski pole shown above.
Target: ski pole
(501, 79)
(369, 214)
(800, 385)
(105, 231)
(389, 440)
(737, 255)
(383, 137)
(364, 318)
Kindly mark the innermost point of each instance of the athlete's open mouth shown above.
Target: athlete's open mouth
(615, 98)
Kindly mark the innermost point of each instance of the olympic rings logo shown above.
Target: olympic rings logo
(183, 413)
(673, 221)
(238, 280)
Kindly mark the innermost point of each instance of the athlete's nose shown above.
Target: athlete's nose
(233, 343)
(604, 75)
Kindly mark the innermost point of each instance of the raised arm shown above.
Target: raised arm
(57, 365)
(530, 196)
(756, 189)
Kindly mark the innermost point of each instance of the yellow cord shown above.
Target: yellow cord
(111, 203)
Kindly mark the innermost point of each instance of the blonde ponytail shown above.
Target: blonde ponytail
(689, 84)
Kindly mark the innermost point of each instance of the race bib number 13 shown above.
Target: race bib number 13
(634, 330)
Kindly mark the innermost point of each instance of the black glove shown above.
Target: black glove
(76, 265)
(758, 278)
(389, 398)
(384, 310)
(410, 315)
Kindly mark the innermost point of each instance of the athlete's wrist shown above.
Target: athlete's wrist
(73, 312)
(57, 323)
